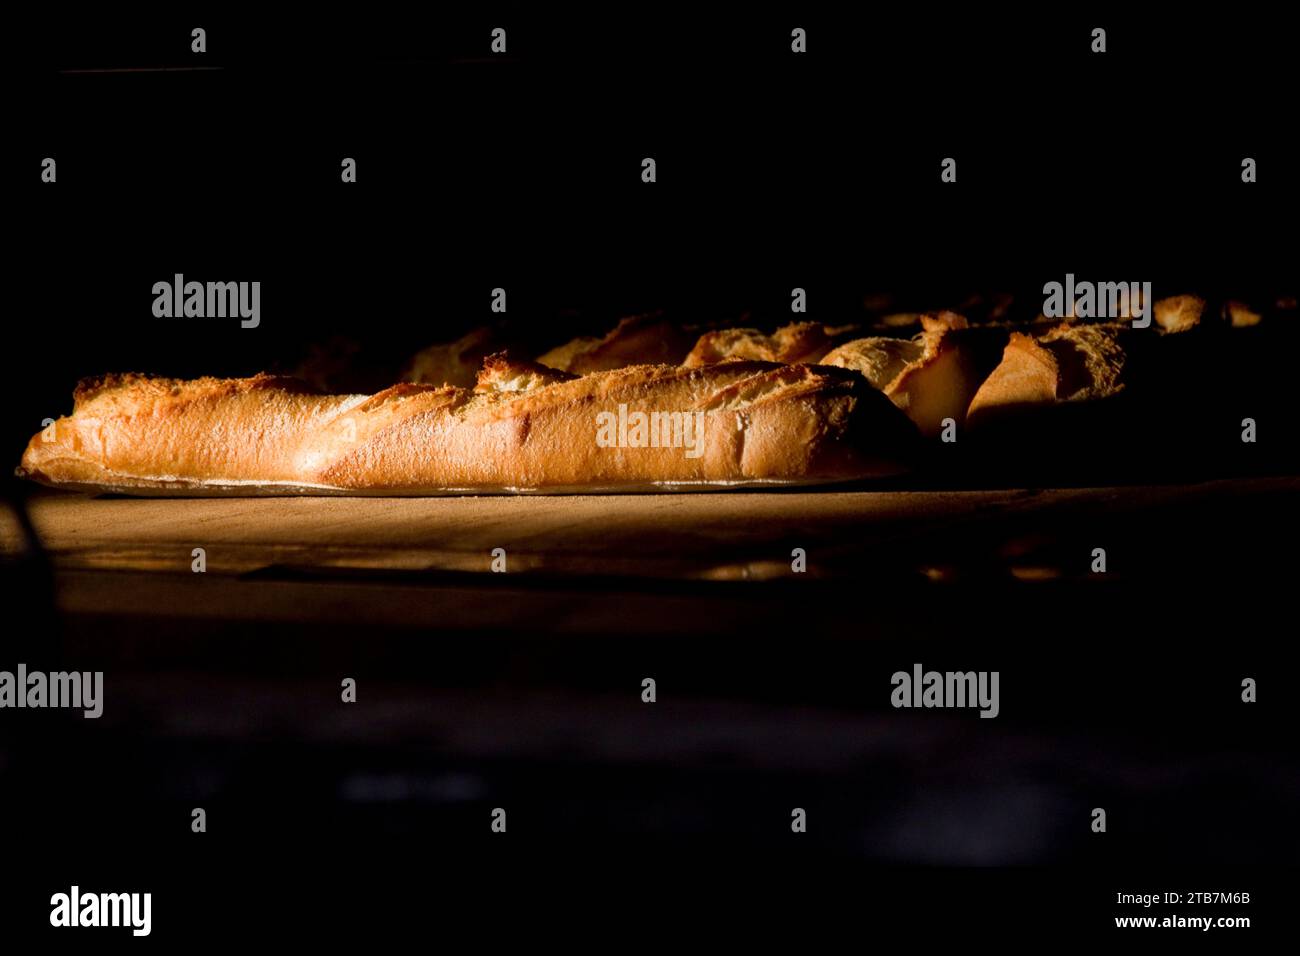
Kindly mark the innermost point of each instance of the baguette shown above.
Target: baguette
(931, 377)
(878, 358)
(523, 427)
(1070, 363)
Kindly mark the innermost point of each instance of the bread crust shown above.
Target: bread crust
(1178, 313)
(451, 363)
(1027, 375)
(930, 377)
(879, 358)
(1069, 363)
(522, 426)
(637, 340)
(796, 342)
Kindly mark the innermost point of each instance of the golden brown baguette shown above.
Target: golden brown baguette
(938, 387)
(931, 377)
(1070, 363)
(522, 427)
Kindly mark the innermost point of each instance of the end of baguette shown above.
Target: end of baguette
(879, 359)
(1069, 363)
(1027, 375)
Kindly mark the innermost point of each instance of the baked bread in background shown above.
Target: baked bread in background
(938, 387)
(796, 342)
(1241, 316)
(931, 377)
(646, 339)
(1070, 363)
(878, 358)
(1178, 313)
(452, 363)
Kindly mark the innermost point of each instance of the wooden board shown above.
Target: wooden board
(699, 536)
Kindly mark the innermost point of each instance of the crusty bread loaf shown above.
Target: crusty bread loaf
(938, 386)
(931, 377)
(1070, 363)
(522, 427)
(879, 358)
(1027, 375)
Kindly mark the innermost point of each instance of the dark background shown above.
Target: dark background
(774, 171)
